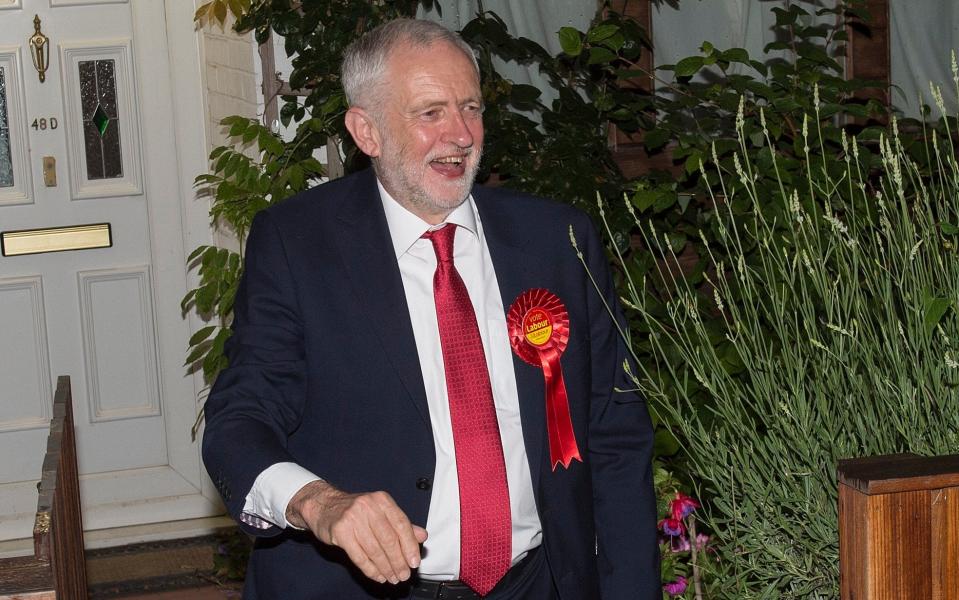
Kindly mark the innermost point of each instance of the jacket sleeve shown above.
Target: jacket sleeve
(257, 401)
(620, 446)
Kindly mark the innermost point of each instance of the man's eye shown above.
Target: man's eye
(431, 114)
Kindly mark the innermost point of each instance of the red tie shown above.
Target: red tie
(485, 524)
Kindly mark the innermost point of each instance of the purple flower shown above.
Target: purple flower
(672, 527)
(682, 506)
(676, 588)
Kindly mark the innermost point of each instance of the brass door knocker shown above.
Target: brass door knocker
(40, 49)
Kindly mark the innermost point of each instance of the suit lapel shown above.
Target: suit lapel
(516, 269)
(366, 250)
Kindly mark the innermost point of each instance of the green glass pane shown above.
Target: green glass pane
(100, 120)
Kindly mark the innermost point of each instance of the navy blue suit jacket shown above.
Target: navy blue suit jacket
(324, 373)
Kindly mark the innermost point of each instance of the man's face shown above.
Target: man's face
(431, 129)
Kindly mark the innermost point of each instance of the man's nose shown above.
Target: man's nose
(458, 131)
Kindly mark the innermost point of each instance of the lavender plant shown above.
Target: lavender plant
(839, 338)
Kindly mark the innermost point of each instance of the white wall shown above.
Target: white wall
(923, 32)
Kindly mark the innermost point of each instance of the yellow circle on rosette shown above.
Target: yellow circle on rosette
(537, 327)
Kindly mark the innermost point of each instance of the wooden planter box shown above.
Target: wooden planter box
(899, 527)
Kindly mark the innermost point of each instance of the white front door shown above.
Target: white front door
(92, 145)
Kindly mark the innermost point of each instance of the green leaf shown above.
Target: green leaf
(601, 32)
(948, 228)
(187, 300)
(201, 335)
(656, 138)
(689, 66)
(297, 178)
(643, 199)
(570, 41)
(270, 143)
(599, 55)
(692, 163)
(932, 312)
(784, 17)
(222, 161)
(196, 354)
(523, 94)
(238, 127)
(615, 42)
(738, 55)
(665, 443)
(196, 252)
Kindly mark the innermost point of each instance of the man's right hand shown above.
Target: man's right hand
(373, 531)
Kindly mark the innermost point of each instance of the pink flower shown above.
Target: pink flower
(702, 540)
(679, 543)
(676, 588)
(672, 527)
(682, 506)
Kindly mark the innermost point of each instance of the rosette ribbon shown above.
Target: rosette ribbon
(538, 332)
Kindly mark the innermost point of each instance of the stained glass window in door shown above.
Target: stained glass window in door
(6, 162)
(101, 123)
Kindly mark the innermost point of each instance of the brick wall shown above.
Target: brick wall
(231, 89)
(230, 78)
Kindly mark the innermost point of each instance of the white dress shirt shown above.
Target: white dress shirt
(275, 486)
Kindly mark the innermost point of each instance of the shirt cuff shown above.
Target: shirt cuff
(272, 492)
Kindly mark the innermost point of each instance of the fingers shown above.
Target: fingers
(421, 536)
(377, 536)
(403, 530)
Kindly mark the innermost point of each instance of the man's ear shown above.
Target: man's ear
(364, 131)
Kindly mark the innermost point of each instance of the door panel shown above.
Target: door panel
(97, 315)
(25, 364)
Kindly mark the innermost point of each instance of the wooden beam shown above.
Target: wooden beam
(867, 51)
(628, 149)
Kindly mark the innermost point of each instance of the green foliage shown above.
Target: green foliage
(698, 112)
(560, 149)
(687, 556)
(828, 329)
(315, 34)
(260, 170)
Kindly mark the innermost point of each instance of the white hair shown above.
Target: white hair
(364, 61)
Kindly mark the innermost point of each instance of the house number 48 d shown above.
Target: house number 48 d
(45, 123)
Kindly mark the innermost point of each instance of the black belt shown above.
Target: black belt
(457, 590)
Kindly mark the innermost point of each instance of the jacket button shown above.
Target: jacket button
(423, 483)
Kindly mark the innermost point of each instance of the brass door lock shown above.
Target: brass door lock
(49, 171)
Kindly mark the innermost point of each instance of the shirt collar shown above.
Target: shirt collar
(405, 227)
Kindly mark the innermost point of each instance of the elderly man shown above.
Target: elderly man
(421, 399)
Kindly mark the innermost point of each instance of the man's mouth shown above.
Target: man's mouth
(449, 166)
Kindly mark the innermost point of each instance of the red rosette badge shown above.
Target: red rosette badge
(539, 331)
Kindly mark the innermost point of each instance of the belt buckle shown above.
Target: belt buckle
(454, 590)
